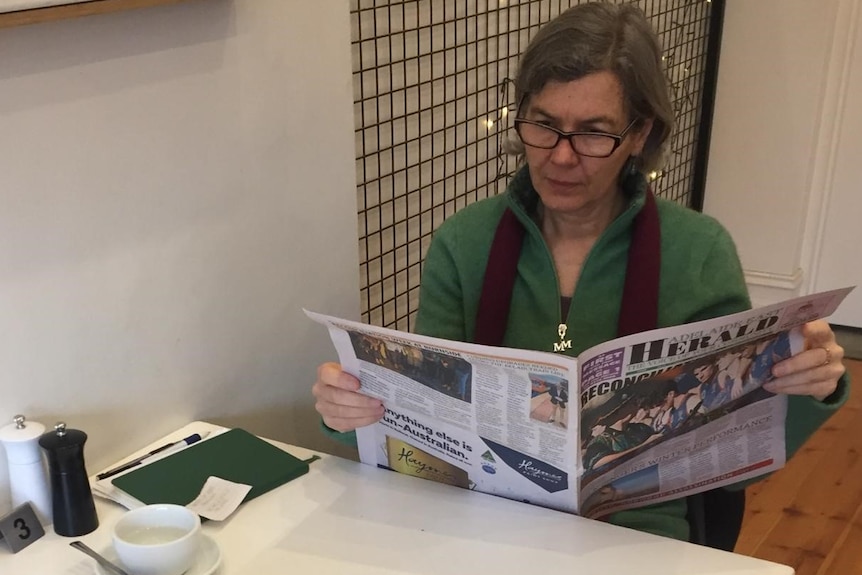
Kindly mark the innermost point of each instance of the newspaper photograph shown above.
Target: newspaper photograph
(655, 416)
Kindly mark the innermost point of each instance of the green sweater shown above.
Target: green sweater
(701, 278)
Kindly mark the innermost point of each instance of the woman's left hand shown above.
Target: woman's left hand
(816, 370)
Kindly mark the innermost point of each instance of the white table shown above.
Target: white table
(347, 518)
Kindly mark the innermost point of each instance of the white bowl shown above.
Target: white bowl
(158, 539)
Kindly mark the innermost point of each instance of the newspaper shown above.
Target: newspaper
(657, 415)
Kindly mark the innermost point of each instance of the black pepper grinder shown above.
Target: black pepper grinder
(73, 505)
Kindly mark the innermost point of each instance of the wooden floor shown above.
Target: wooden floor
(809, 514)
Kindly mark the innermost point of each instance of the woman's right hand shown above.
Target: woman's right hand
(339, 402)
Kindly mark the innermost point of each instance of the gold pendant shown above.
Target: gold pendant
(564, 343)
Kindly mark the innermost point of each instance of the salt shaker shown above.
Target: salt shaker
(27, 476)
(74, 508)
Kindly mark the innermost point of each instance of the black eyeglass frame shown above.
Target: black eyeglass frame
(617, 138)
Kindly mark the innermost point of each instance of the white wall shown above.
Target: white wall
(836, 256)
(176, 183)
(779, 107)
(773, 66)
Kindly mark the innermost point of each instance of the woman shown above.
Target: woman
(594, 116)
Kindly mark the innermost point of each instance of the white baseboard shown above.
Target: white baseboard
(766, 288)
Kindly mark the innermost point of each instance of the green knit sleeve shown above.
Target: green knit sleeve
(441, 301)
(347, 438)
(806, 414)
(722, 282)
(701, 275)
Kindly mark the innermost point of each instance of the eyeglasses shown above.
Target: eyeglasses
(590, 144)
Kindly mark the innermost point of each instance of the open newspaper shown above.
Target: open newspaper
(653, 416)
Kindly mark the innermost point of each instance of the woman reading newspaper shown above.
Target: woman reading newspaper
(584, 252)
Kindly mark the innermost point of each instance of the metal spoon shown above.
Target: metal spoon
(83, 548)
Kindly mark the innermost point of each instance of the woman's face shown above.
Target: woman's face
(565, 181)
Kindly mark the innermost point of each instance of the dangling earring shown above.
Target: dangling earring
(629, 170)
(631, 166)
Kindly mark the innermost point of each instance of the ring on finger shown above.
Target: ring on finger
(828, 359)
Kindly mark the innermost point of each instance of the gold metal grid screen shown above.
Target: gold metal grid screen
(432, 85)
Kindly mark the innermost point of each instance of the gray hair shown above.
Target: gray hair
(596, 37)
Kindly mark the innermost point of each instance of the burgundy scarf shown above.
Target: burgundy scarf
(639, 309)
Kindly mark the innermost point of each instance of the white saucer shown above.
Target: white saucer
(209, 558)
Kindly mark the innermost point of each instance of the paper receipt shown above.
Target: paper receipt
(219, 498)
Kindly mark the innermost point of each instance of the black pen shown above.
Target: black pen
(194, 438)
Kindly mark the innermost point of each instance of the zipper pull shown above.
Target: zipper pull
(564, 343)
